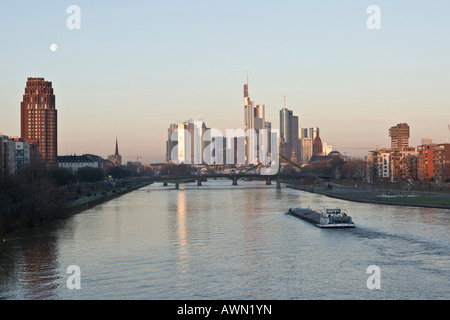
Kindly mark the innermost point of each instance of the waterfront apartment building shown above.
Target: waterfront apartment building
(379, 165)
(75, 163)
(433, 162)
(22, 153)
(425, 161)
(39, 118)
(399, 164)
(442, 163)
(403, 164)
(8, 165)
(15, 154)
(399, 136)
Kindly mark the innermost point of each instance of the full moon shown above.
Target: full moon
(53, 47)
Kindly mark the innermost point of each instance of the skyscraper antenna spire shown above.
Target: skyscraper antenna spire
(247, 77)
(284, 102)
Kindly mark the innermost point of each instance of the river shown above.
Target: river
(219, 241)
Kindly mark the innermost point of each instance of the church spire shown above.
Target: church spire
(117, 160)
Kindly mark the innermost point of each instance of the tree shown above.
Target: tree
(61, 176)
(354, 169)
(89, 174)
(118, 173)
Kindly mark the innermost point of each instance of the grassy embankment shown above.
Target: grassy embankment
(428, 196)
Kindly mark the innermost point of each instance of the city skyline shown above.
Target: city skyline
(131, 80)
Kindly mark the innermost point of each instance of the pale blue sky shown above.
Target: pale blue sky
(134, 67)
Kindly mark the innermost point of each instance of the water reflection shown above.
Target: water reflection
(29, 261)
(38, 273)
(229, 242)
(182, 263)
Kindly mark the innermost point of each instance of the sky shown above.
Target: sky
(135, 67)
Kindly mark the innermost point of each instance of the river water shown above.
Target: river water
(219, 241)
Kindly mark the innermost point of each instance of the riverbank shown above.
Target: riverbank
(77, 204)
(380, 196)
(89, 202)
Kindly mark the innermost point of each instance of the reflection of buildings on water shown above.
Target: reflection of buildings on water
(38, 273)
(183, 246)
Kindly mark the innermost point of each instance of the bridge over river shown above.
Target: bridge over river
(248, 174)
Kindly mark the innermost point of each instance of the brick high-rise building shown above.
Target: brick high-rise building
(39, 118)
(399, 136)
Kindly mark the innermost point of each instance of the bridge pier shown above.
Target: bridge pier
(199, 182)
(177, 185)
(268, 181)
(235, 181)
(164, 184)
(278, 182)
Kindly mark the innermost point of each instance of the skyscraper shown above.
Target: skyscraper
(39, 118)
(254, 126)
(249, 127)
(289, 140)
(399, 136)
(187, 141)
(307, 138)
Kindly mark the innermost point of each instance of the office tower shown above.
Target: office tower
(268, 127)
(219, 149)
(254, 124)
(172, 141)
(249, 127)
(39, 118)
(289, 134)
(306, 152)
(326, 149)
(399, 136)
(285, 114)
(200, 139)
(186, 142)
(307, 138)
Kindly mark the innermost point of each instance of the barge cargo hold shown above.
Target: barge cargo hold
(329, 218)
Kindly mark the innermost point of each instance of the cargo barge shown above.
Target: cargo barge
(328, 218)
